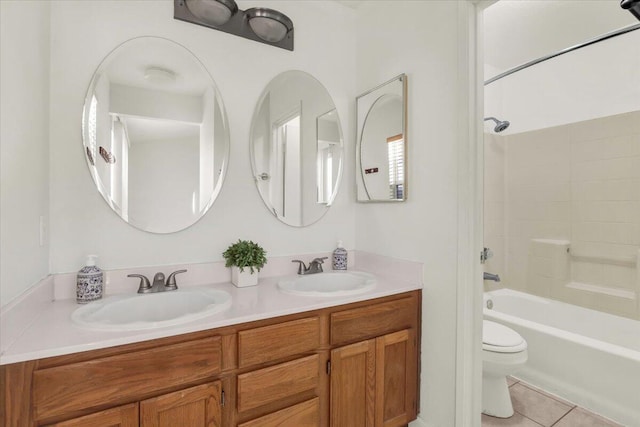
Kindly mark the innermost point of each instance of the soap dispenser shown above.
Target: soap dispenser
(339, 257)
(89, 285)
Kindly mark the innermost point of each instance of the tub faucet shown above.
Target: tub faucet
(489, 276)
(315, 266)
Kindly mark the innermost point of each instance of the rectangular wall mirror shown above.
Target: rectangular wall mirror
(381, 142)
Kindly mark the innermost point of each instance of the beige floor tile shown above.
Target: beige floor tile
(517, 420)
(536, 406)
(546, 393)
(579, 417)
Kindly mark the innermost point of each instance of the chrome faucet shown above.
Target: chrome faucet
(315, 266)
(159, 284)
(489, 276)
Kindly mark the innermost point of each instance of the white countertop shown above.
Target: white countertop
(52, 333)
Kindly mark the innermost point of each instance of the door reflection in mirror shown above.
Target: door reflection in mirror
(296, 148)
(329, 142)
(286, 197)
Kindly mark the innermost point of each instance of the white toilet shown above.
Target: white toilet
(504, 352)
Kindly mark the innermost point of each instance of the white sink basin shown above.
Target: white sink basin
(146, 311)
(329, 284)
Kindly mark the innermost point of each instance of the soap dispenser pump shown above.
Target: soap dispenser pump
(89, 285)
(339, 257)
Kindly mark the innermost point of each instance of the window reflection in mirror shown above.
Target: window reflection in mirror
(381, 143)
(155, 134)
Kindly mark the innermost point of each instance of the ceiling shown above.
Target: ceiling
(518, 31)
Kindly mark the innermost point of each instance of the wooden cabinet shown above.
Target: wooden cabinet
(122, 416)
(353, 375)
(194, 407)
(345, 366)
(374, 382)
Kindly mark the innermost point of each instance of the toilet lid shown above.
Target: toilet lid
(499, 338)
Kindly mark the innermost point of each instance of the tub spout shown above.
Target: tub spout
(489, 276)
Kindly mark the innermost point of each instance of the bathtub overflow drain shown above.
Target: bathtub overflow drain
(489, 304)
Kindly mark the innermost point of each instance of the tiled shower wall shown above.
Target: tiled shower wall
(578, 182)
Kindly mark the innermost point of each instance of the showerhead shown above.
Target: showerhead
(632, 6)
(500, 125)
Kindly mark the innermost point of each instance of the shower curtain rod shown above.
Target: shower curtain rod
(605, 36)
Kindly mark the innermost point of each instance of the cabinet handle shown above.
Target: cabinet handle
(328, 367)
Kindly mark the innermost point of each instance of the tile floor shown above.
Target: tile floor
(535, 408)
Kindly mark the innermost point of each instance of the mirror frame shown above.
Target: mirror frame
(97, 180)
(360, 183)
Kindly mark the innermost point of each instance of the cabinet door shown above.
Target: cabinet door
(122, 416)
(396, 379)
(353, 385)
(194, 407)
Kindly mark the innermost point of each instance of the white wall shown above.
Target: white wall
(519, 31)
(421, 40)
(24, 151)
(596, 81)
(82, 223)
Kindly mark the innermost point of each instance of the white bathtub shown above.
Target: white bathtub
(585, 356)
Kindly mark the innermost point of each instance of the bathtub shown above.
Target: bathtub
(585, 356)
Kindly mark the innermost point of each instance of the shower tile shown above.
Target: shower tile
(619, 189)
(588, 190)
(579, 417)
(621, 168)
(517, 420)
(587, 231)
(587, 171)
(539, 407)
(621, 146)
(582, 151)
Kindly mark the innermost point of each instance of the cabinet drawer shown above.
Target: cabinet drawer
(271, 384)
(274, 342)
(374, 320)
(305, 414)
(123, 378)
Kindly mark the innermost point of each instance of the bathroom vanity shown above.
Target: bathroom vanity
(342, 365)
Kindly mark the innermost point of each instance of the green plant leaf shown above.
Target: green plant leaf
(245, 253)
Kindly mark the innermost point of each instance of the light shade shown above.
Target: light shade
(159, 76)
(268, 24)
(214, 12)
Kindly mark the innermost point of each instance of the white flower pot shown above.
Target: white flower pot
(243, 278)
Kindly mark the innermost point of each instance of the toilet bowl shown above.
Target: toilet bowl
(504, 352)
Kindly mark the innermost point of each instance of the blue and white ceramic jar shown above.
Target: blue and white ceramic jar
(89, 285)
(339, 258)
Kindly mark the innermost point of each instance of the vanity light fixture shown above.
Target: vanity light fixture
(217, 12)
(268, 24)
(260, 24)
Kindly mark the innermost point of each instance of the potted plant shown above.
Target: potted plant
(244, 254)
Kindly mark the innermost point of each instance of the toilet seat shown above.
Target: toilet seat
(501, 339)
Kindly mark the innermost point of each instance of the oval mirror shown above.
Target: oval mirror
(296, 148)
(381, 143)
(155, 135)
